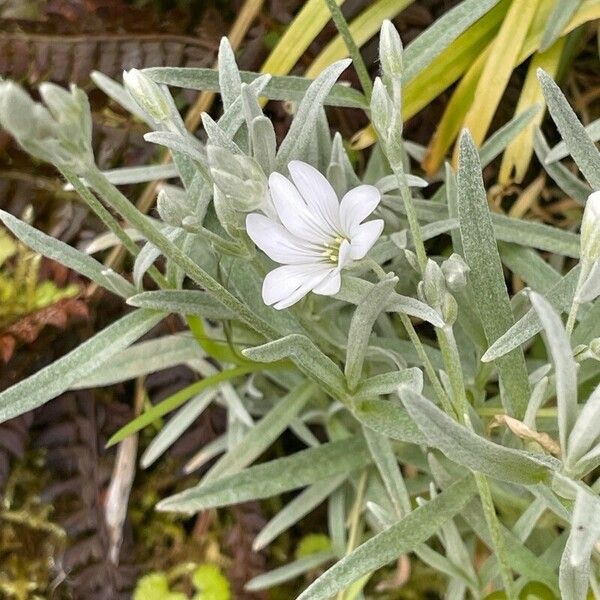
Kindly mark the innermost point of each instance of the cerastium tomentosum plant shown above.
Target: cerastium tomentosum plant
(308, 287)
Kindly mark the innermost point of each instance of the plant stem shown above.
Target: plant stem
(431, 374)
(411, 214)
(451, 358)
(353, 50)
(498, 541)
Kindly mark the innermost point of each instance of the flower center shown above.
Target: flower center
(332, 249)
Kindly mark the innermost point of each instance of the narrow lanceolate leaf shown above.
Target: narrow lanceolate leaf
(301, 131)
(399, 539)
(565, 367)
(486, 276)
(183, 302)
(307, 357)
(64, 254)
(581, 147)
(61, 374)
(389, 418)
(559, 296)
(299, 507)
(141, 359)
(361, 328)
(470, 450)
(263, 434)
(585, 431)
(275, 477)
(279, 88)
(436, 38)
(561, 14)
(561, 150)
(386, 383)
(568, 182)
(575, 564)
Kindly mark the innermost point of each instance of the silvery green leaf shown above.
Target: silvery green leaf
(308, 358)
(538, 395)
(115, 283)
(585, 432)
(387, 417)
(187, 145)
(486, 277)
(561, 151)
(361, 328)
(323, 144)
(590, 288)
(529, 266)
(438, 36)
(274, 477)
(264, 146)
(389, 183)
(386, 383)
(340, 171)
(206, 453)
(176, 426)
(581, 147)
(336, 519)
(560, 16)
(173, 209)
(290, 571)
(390, 51)
(62, 373)
(470, 450)
(141, 359)
(183, 302)
(64, 254)
(391, 475)
(288, 88)
(143, 261)
(148, 95)
(399, 539)
(301, 131)
(354, 290)
(120, 95)
(217, 136)
(128, 175)
(559, 296)
(107, 240)
(263, 434)
(296, 509)
(567, 181)
(585, 531)
(229, 75)
(565, 367)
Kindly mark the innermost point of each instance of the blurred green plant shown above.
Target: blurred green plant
(21, 291)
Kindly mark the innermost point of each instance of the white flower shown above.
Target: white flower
(316, 235)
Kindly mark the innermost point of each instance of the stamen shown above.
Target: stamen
(332, 249)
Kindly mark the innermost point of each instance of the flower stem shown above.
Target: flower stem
(411, 214)
(451, 358)
(353, 50)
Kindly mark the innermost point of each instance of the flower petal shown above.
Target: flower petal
(330, 285)
(344, 254)
(364, 238)
(278, 243)
(317, 192)
(286, 285)
(357, 205)
(294, 213)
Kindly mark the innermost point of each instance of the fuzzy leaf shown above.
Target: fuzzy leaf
(272, 478)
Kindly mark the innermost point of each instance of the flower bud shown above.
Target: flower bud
(590, 229)
(434, 284)
(16, 111)
(455, 271)
(239, 178)
(390, 51)
(147, 94)
(172, 207)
